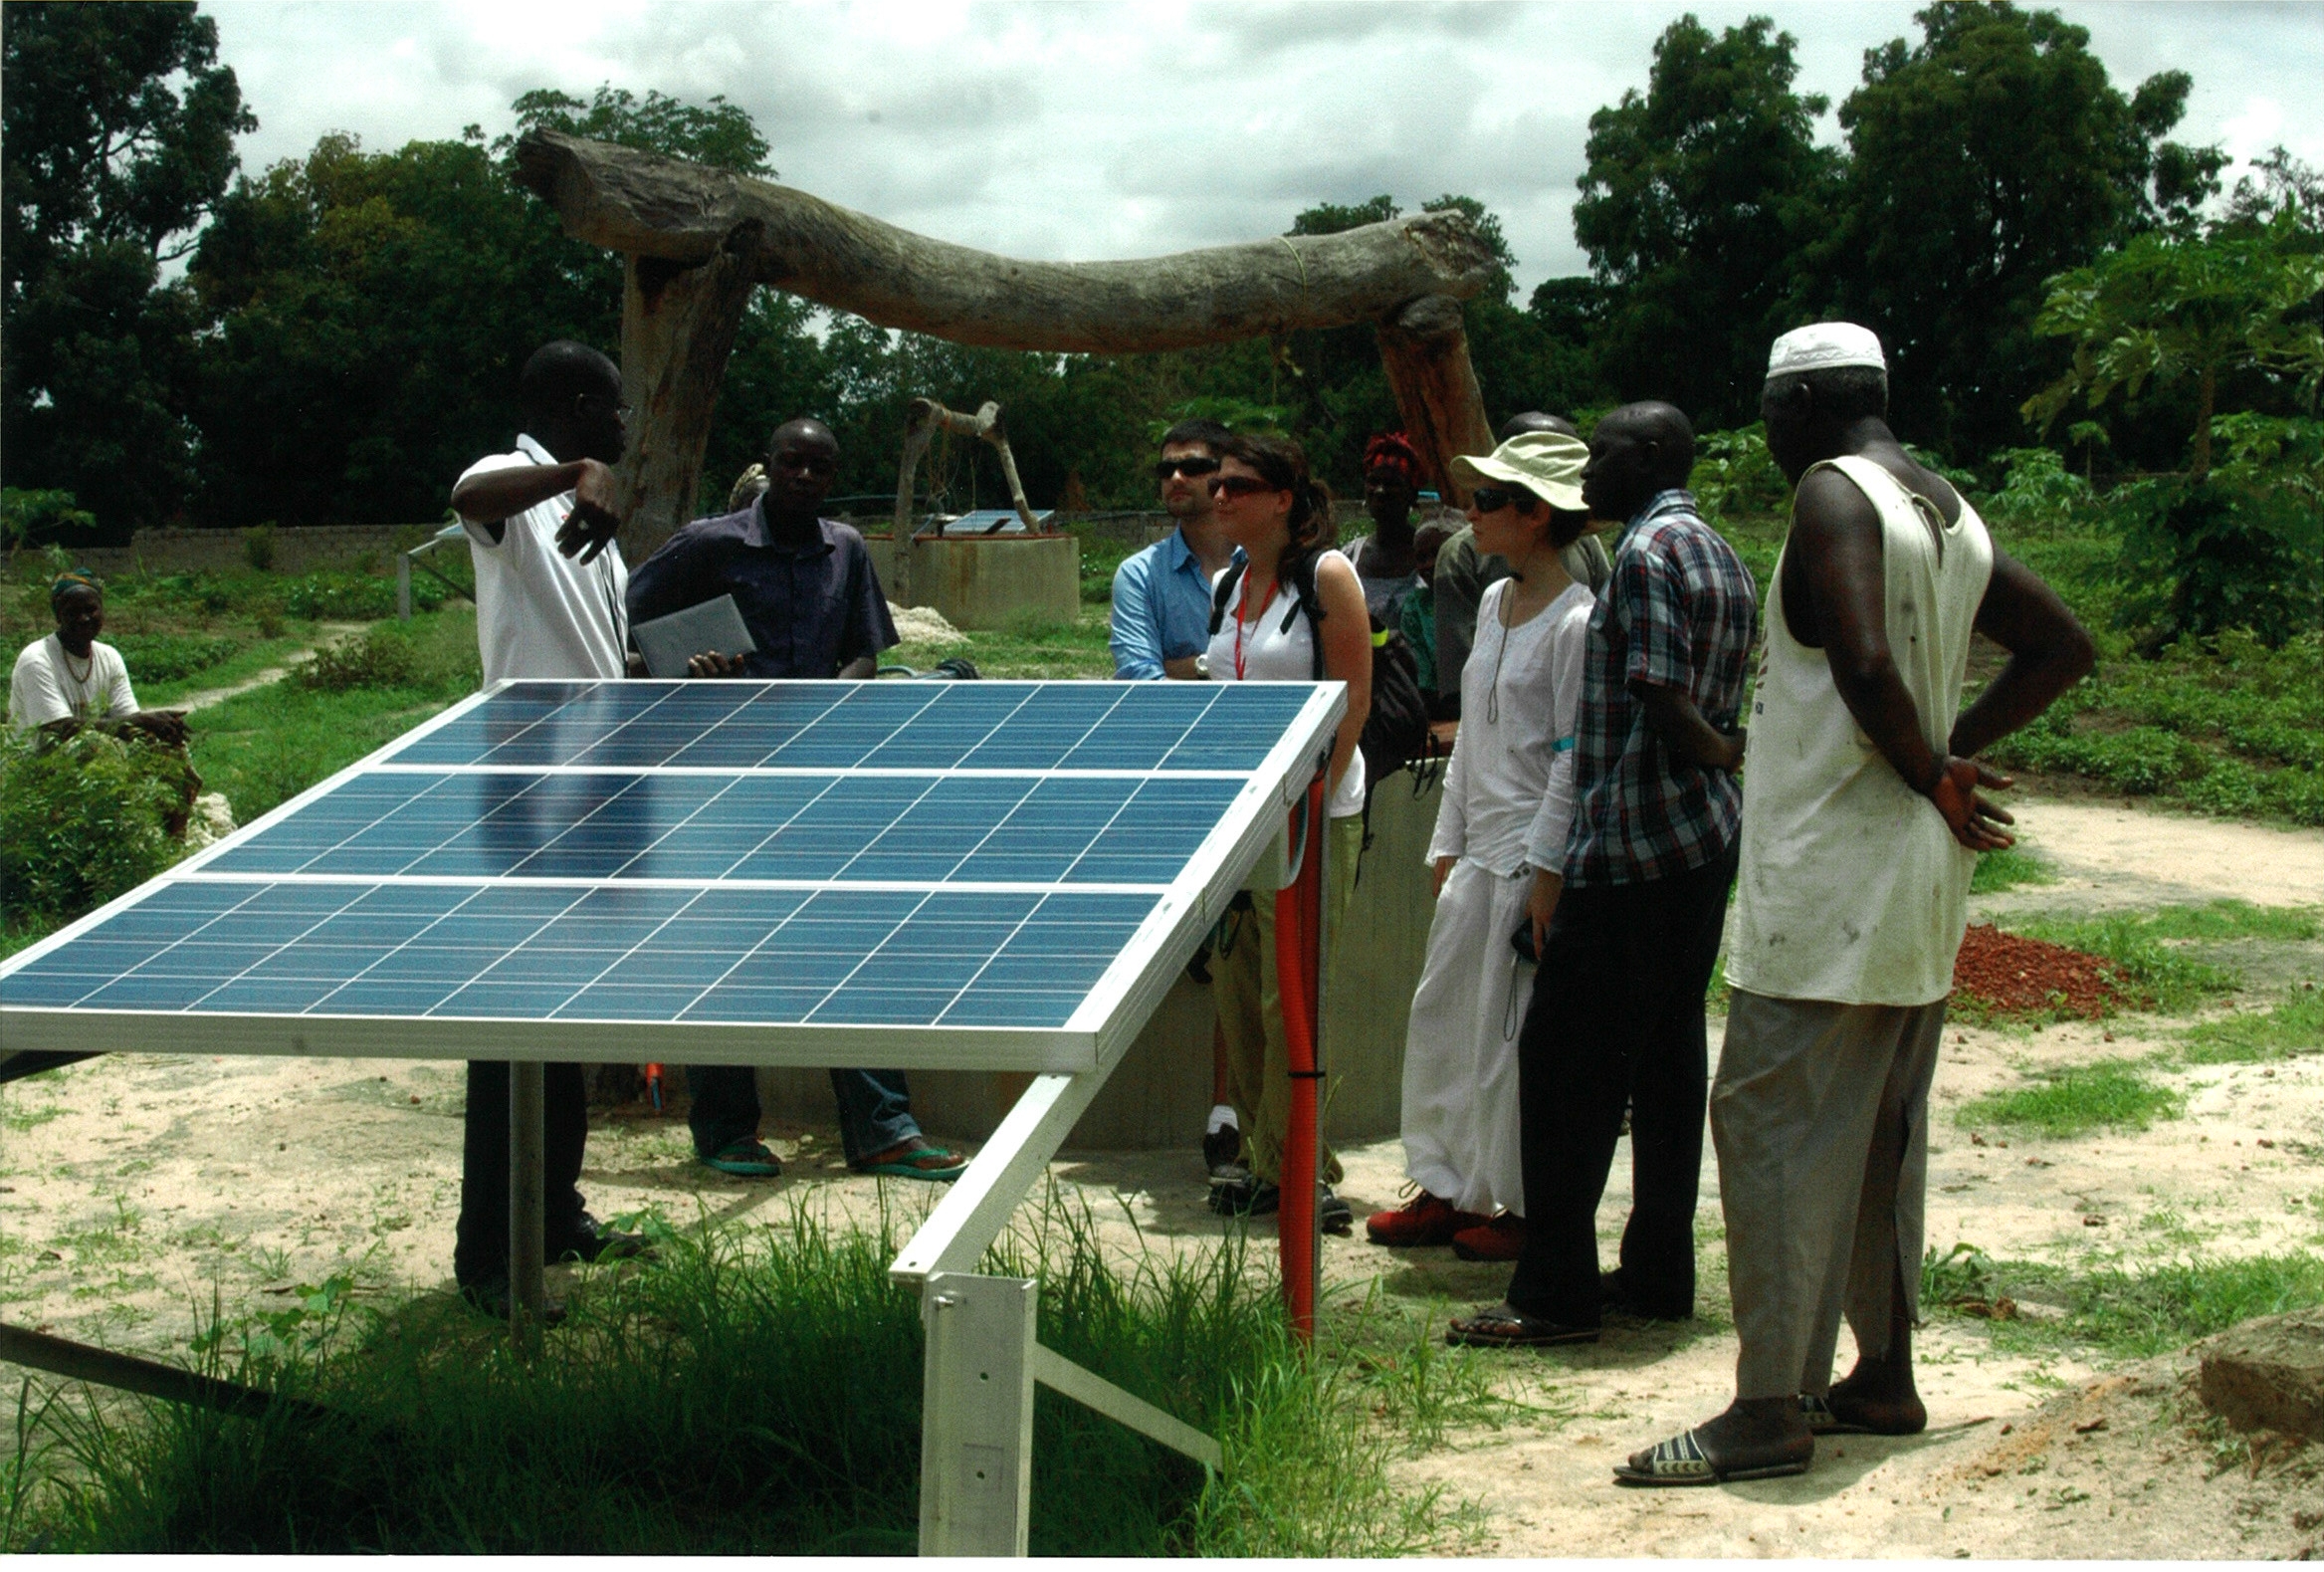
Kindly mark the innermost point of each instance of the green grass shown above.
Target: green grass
(2006, 869)
(2294, 1026)
(2226, 920)
(2150, 971)
(1032, 649)
(2117, 1313)
(2111, 1094)
(751, 1394)
(266, 746)
(245, 661)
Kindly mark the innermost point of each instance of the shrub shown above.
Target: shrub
(31, 518)
(258, 546)
(1734, 473)
(2037, 489)
(80, 821)
(375, 659)
(2241, 549)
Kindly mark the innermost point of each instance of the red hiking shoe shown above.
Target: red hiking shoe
(1423, 1220)
(1502, 1238)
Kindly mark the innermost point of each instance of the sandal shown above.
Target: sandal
(745, 1160)
(1821, 1421)
(912, 1161)
(1506, 1326)
(1682, 1460)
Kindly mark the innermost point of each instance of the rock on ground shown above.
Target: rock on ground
(2268, 1374)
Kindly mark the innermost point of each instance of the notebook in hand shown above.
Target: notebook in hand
(668, 643)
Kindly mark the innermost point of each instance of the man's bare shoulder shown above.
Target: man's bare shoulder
(1827, 501)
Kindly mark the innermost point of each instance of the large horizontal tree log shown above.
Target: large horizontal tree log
(650, 206)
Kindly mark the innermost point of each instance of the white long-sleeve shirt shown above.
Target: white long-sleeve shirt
(1509, 789)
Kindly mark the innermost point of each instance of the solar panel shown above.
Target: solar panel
(957, 874)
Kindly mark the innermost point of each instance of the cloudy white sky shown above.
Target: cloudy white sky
(1084, 130)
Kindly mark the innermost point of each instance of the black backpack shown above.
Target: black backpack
(1396, 731)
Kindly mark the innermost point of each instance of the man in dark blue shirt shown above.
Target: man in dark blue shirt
(805, 589)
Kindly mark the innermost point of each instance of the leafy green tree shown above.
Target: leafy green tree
(117, 136)
(716, 133)
(370, 312)
(1986, 157)
(2165, 310)
(1698, 206)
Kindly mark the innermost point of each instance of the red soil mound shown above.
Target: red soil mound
(2028, 976)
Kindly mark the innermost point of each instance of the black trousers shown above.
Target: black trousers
(1617, 1016)
(480, 1239)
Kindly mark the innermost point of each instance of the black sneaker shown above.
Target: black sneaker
(1222, 1154)
(591, 1241)
(1246, 1198)
(1333, 1214)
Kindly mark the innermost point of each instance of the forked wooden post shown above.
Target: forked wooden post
(927, 418)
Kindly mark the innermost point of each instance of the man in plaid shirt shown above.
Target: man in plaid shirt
(1635, 912)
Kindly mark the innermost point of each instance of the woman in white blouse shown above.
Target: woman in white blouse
(1293, 613)
(1500, 839)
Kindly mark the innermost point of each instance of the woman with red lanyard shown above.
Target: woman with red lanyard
(1282, 519)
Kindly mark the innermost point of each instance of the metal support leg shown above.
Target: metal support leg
(527, 1108)
(404, 586)
(976, 1425)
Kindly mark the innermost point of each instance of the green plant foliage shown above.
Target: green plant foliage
(2167, 307)
(750, 1393)
(1735, 474)
(80, 821)
(2224, 723)
(382, 657)
(170, 657)
(37, 518)
(2037, 489)
(2112, 1094)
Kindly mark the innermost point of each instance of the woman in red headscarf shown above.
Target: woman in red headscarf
(1385, 559)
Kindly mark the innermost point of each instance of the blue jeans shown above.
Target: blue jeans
(875, 1109)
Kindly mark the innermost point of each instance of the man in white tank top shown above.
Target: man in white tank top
(1861, 823)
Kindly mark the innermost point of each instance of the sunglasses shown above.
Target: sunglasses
(1492, 498)
(1194, 468)
(1240, 486)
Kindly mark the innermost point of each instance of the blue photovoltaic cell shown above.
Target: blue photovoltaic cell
(872, 724)
(982, 829)
(916, 854)
(454, 951)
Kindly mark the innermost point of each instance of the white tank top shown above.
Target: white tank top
(1267, 650)
(1852, 888)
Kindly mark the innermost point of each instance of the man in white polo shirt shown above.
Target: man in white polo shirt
(549, 591)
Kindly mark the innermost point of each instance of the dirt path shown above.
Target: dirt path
(335, 634)
(131, 1188)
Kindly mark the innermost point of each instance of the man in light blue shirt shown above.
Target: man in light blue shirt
(1162, 594)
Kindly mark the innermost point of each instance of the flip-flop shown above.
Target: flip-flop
(1821, 1421)
(1506, 1326)
(928, 1162)
(1682, 1460)
(745, 1160)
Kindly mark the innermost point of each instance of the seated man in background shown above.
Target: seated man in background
(1463, 575)
(69, 680)
(806, 591)
(1161, 621)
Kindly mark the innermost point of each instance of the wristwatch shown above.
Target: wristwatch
(1202, 667)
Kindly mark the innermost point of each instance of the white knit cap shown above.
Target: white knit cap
(1824, 344)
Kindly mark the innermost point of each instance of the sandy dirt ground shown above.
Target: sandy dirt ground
(137, 1192)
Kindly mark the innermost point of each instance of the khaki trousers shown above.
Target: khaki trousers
(1819, 1113)
(1250, 1006)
